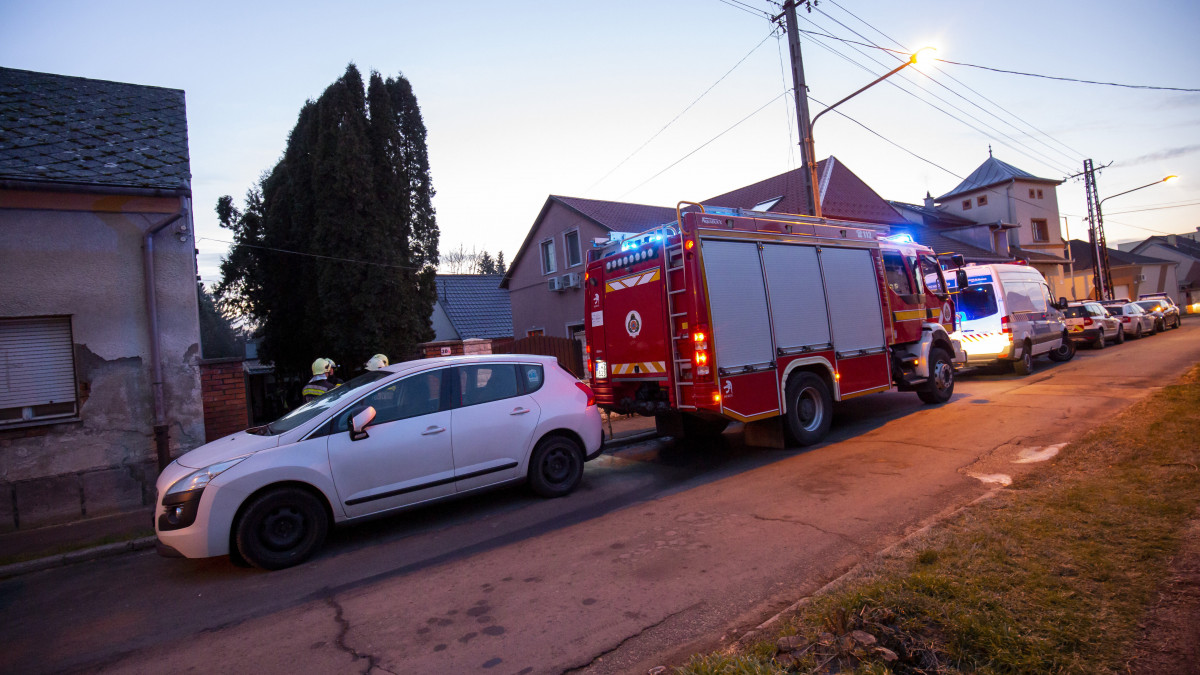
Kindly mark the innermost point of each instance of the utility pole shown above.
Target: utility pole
(1101, 274)
(800, 89)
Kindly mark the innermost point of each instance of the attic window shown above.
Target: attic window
(1039, 194)
(767, 204)
(1032, 194)
(981, 200)
(966, 205)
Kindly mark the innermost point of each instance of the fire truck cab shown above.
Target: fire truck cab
(762, 318)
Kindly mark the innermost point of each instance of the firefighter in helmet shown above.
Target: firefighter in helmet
(376, 362)
(322, 370)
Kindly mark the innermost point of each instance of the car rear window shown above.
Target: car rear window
(532, 377)
(1075, 312)
(977, 302)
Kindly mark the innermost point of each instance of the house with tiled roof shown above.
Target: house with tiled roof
(99, 329)
(1184, 250)
(472, 315)
(1132, 274)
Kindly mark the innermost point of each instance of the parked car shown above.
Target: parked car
(1133, 318)
(1089, 323)
(1164, 310)
(1006, 315)
(408, 434)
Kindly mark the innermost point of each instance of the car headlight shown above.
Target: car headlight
(200, 478)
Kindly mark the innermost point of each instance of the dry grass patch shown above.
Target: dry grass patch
(1053, 574)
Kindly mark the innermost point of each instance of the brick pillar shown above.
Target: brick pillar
(223, 387)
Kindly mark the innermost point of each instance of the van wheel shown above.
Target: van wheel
(1120, 336)
(940, 386)
(1024, 365)
(809, 409)
(281, 528)
(1064, 352)
(1100, 342)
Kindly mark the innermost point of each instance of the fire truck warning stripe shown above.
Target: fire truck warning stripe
(632, 280)
(908, 315)
(639, 368)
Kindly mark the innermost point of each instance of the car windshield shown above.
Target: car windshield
(976, 302)
(1150, 305)
(319, 405)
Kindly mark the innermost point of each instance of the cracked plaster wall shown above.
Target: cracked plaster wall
(88, 265)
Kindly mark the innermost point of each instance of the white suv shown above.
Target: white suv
(387, 440)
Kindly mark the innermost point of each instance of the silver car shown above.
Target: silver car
(1135, 320)
(391, 439)
(1090, 323)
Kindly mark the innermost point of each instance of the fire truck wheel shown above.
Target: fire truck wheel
(940, 387)
(809, 409)
(1024, 365)
(555, 467)
(1064, 352)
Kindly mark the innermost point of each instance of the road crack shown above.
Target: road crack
(818, 528)
(340, 640)
(642, 631)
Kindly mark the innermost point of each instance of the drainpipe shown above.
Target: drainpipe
(162, 443)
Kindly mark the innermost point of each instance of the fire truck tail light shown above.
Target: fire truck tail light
(701, 358)
(702, 371)
(698, 336)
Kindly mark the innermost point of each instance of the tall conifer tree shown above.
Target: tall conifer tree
(353, 193)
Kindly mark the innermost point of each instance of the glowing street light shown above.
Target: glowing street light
(1168, 179)
(919, 56)
(1101, 272)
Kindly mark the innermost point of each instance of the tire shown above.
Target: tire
(1160, 326)
(809, 409)
(1120, 336)
(555, 467)
(281, 528)
(1137, 334)
(1064, 352)
(1177, 322)
(940, 387)
(1100, 342)
(1024, 365)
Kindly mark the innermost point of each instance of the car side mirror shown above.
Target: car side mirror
(358, 423)
(960, 279)
(1061, 304)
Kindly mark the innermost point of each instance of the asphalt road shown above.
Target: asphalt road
(663, 551)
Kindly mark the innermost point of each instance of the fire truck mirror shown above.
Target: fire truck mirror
(960, 279)
(958, 260)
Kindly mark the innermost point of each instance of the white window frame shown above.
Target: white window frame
(39, 382)
(1033, 228)
(547, 270)
(567, 248)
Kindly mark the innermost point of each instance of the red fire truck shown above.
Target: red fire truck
(764, 318)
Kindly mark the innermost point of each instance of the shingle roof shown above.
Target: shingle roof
(1182, 245)
(475, 304)
(55, 128)
(991, 172)
(941, 244)
(845, 195)
(931, 215)
(1081, 252)
(619, 216)
(1032, 255)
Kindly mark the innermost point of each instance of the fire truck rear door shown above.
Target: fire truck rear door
(741, 328)
(856, 319)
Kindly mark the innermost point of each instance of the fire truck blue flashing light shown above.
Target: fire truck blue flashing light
(901, 238)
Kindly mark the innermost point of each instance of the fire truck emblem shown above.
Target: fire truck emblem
(595, 300)
(633, 324)
(947, 313)
(727, 390)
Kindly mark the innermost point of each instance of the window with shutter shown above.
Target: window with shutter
(37, 370)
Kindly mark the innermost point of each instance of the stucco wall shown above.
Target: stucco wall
(533, 305)
(87, 264)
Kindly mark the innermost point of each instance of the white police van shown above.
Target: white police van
(1006, 315)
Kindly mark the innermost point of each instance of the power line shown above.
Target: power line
(1077, 154)
(312, 255)
(745, 8)
(1155, 208)
(706, 143)
(681, 113)
(1069, 79)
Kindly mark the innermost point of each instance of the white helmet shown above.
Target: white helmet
(376, 362)
(319, 366)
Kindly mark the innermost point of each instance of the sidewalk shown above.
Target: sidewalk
(26, 551)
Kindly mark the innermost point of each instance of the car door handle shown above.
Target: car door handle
(520, 411)
(433, 430)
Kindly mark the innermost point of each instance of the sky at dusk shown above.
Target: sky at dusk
(527, 99)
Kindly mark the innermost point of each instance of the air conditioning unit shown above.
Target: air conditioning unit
(570, 280)
(554, 283)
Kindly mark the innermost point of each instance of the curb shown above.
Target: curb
(82, 555)
(622, 441)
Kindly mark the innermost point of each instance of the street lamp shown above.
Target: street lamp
(1100, 265)
(810, 144)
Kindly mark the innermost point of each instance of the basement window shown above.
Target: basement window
(37, 371)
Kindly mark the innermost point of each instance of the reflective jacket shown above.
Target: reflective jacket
(316, 387)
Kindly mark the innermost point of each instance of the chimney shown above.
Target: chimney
(1171, 239)
(929, 204)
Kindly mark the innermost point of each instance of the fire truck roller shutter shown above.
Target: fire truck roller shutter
(738, 300)
(797, 297)
(854, 306)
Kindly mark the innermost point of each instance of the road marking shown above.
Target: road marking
(1031, 455)
(997, 478)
